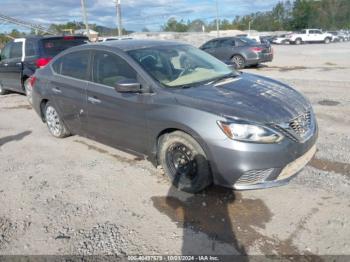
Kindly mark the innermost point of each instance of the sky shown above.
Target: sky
(137, 14)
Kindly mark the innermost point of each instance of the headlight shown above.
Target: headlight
(249, 132)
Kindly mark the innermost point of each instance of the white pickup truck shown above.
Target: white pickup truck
(309, 35)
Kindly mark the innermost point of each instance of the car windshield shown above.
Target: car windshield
(180, 66)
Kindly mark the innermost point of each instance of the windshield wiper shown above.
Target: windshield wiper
(233, 75)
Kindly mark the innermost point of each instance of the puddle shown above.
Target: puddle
(225, 216)
(330, 64)
(28, 107)
(103, 151)
(330, 166)
(328, 102)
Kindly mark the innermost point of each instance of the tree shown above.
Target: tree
(173, 25)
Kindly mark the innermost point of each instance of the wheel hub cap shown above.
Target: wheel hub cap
(53, 121)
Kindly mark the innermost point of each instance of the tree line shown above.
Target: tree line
(285, 15)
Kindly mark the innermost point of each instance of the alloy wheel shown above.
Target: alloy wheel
(238, 61)
(53, 121)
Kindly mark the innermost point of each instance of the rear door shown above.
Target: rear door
(68, 88)
(318, 35)
(11, 67)
(116, 119)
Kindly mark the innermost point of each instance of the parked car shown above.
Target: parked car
(281, 39)
(336, 37)
(267, 39)
(200, 120)
(239, 51)
(309, 36)
(21, 57)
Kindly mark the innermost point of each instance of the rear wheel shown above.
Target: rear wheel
(2, 90)
(184, 162)
(238, 61)
(54, 122)
(298, 41)
(28, 90)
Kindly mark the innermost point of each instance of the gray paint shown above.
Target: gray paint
(133, 122)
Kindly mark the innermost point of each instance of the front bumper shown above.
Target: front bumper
(245, 166)
(287, 173)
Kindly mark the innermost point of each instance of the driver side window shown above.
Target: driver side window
(108, 69)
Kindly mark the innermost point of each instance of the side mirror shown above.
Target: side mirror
(128, 86)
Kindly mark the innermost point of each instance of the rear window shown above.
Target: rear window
(248, 40)
(53, 46)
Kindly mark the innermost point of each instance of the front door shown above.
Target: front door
(11, 65)
(116, 119)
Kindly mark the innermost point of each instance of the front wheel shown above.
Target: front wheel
(184, 162)
(238, 61)
(327, 41)
(54, 123)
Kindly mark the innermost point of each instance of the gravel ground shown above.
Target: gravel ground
(75, 196)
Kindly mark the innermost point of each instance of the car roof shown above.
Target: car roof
(131, 44)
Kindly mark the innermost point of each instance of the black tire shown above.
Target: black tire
(327, 40)
(298, 41)
(184, 162)
(238, 61)
(54, 123)
(2, 90)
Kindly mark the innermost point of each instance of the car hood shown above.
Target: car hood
(250, 97)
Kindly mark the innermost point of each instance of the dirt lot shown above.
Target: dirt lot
(75, 196)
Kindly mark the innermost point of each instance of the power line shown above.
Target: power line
(26, 24)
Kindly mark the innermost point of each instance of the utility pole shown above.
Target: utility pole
(119, 17)
(217, 18)
(85, 18)
(249, 27)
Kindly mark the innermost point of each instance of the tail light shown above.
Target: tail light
(68, 37)
(256, 49)
(41, 62)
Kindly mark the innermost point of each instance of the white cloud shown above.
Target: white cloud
(136, 13)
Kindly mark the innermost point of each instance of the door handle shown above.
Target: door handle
(6, 64)
(94, 100)
(56, 90)
(18, 64)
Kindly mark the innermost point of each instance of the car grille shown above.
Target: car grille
(254, 176)
(300, 128)
(302, 124)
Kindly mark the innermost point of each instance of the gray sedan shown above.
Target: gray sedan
(239, 51)
(182, 109)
